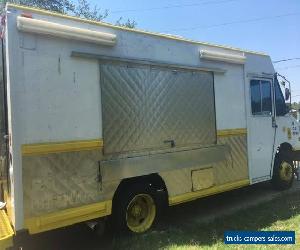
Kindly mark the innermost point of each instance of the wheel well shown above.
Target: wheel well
(153, 180)
(285, 150)
(285, 147)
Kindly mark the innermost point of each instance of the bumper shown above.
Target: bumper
(6, 231)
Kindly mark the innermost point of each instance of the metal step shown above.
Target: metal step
(6, 231)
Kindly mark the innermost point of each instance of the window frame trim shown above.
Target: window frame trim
(272, 96)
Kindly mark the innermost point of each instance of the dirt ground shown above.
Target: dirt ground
(203, 210)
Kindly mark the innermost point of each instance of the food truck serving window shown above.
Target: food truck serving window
(152, 107)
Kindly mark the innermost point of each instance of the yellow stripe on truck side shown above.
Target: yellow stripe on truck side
(73, 146)
(59, 147)
(68, 217)
(231, 132)
(174, 200)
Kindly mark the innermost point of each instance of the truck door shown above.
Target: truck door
(261, 132)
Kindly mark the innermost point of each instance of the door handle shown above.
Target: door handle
(274, 125)
(172, 142)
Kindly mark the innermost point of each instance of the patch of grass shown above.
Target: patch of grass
(282, 213)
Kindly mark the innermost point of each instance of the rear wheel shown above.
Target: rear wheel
(135, 209)
(140, 213)
(283, 173)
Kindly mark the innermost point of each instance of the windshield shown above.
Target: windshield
(281, 106)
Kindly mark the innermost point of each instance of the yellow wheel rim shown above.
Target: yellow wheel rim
(140, 213)
(286, 171)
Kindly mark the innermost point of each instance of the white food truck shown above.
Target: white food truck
(101, 121)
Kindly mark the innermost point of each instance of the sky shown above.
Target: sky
(270, 26)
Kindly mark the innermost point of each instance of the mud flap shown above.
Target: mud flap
(6, 231)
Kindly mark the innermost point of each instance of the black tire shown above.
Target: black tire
(122, 206)
(283, 173)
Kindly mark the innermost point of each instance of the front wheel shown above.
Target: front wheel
(135, 210)
(283, 173)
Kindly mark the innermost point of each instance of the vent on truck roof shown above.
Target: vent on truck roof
(42, 27)
(223, 56)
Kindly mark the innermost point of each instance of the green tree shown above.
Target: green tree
(128, 23)
(296, 105)
(82, 8)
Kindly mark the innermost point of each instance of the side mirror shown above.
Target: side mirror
(287, 94)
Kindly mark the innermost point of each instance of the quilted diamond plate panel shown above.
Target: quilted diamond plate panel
(238, 152)
(145, 106)
(59, 181)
